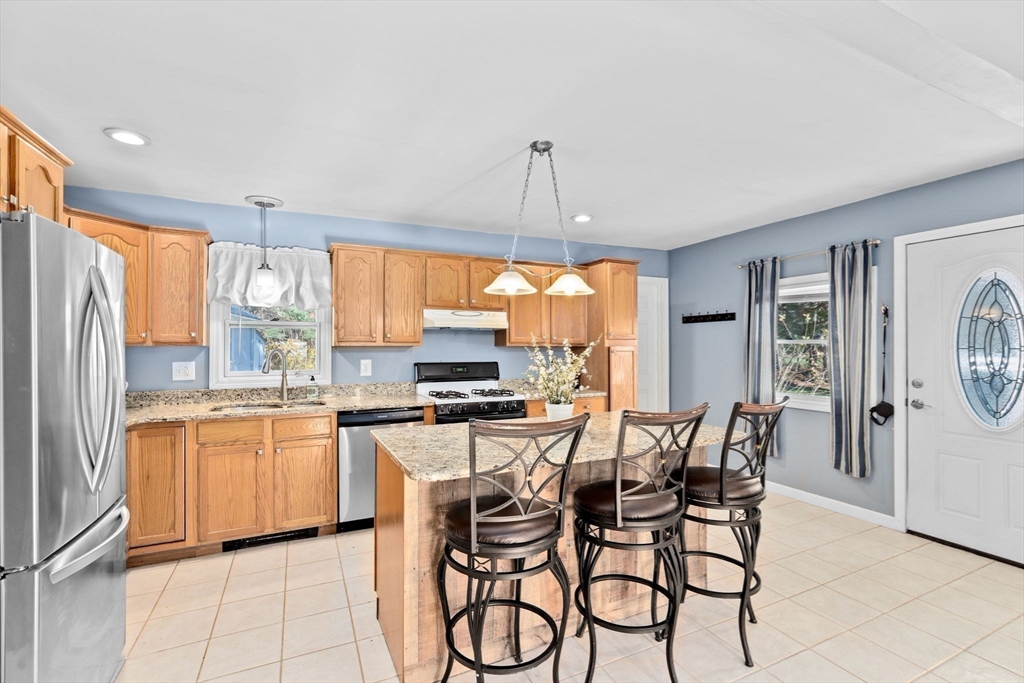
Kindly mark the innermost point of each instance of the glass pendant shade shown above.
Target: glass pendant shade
(569, 284)
(510, 283)
(264, 277)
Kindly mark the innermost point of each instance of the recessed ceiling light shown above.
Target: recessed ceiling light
(128, 137)
(583, 218)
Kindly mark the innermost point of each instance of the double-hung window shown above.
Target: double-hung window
(802, 342)
(243, 336)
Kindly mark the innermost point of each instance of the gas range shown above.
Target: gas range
(463, 391)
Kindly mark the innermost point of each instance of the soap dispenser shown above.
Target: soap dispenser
(312, 389)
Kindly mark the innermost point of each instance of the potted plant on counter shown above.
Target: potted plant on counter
(556, 377)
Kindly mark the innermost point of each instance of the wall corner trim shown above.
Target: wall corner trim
(887, 521)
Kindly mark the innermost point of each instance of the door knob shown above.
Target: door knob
(918, 404)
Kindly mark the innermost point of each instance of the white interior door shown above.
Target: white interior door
(652, 343)
(965, 369)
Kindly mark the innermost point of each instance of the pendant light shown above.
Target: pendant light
(511, 282)
(263, 278)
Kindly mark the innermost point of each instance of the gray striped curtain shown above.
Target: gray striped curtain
(759, 324)
(849, 322)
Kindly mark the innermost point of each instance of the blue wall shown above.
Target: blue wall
(706, 360)
(150, 368)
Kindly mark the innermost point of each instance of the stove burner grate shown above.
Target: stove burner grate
(448, 394)
(492, 393)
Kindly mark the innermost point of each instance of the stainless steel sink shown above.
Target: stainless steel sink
(244, 407)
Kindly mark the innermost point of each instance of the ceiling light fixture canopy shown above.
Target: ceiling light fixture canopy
(264, 275)
(128, 137)
(511, 282)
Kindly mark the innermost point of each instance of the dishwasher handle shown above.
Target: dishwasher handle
(379, 418)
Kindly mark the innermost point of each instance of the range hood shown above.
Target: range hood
(434, 319)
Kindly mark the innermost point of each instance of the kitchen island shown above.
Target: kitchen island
(421, 473)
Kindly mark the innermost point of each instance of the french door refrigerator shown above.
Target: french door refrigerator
(62, 475)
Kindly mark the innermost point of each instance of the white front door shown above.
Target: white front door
(652, 343)
(965, 368)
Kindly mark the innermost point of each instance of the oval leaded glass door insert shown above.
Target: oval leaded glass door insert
(989, 354)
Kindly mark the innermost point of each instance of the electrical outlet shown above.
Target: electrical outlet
(183, 372)
(365, 367)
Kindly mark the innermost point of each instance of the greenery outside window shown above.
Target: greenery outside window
(802, 342)
(242, 336)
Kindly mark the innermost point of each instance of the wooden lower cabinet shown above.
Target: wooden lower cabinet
(156, 485)
(595, 404)
(200, 483)
(305, 483)
(234, 482)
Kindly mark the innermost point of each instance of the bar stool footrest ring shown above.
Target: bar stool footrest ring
(623, 628)
(508, 668)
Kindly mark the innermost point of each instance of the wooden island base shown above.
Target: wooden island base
(409, 540)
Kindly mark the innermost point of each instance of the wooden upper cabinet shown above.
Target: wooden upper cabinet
(622, 377)
(305, 483)
(33, 170)
(156, 485)
(38, 181)
(403, 297)
(358, 296)
(5, 168)
(235, 484)
(177, 286)
(132, 243)
(447, 282)
(569, 317)
(621, 301)
(481, 275)
(529, 315)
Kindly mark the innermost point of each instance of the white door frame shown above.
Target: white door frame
(661, 315)
(899, 344)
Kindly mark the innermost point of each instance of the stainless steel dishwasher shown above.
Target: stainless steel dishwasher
(357, 459)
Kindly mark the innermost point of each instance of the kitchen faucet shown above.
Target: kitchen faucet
(284, 370)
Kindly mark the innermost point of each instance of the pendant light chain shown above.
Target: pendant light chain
(558, 204)
(522, 205)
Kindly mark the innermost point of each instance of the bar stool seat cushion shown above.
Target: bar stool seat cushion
(704, 482)
(597, 500)
(498, 532)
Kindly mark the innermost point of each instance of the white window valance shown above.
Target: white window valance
(302, 277)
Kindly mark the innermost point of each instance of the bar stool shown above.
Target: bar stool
(526, 468)
(643, 498)
(738, 491)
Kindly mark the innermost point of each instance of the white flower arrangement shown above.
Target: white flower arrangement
(557, 377)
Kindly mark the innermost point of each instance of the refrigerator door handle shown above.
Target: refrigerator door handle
(96, 458)
(81, 553)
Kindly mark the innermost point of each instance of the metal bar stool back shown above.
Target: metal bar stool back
(644, 498)
(518, 478)
(737, 488)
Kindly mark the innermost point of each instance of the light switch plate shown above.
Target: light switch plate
(183, 372)
(365, 367)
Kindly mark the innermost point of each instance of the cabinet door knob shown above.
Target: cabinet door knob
(142, 334)
(388, 336)
(192, 334)
(259, 451)
(277, 450)
(462, 301)
(472, 301)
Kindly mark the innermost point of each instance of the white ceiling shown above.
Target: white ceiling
(672, 122)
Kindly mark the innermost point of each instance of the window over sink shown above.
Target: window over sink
(242, 336)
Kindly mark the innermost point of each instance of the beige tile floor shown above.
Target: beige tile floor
(843, 600)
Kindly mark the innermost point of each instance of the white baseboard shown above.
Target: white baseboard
(888, 521)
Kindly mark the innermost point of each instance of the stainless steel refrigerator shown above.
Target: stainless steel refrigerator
(63, 516)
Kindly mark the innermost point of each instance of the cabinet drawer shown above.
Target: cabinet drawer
(229, 431)
(594, 404)
(304, 426)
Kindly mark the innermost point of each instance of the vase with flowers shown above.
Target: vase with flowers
(556, 377)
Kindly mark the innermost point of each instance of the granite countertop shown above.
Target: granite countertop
(181, 406)
(441, 452)
(205, 411)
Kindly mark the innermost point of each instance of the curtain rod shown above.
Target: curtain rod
(873, 243)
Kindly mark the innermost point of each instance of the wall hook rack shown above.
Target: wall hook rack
(708, 317)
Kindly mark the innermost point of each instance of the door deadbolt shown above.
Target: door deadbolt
(917, 384)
